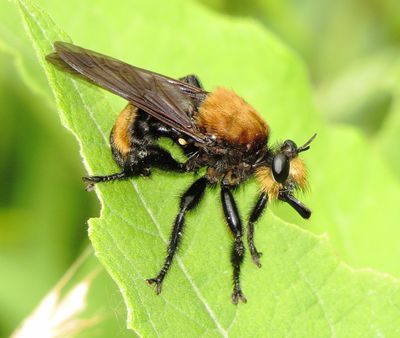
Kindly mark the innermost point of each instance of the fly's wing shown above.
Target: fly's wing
(170, 101)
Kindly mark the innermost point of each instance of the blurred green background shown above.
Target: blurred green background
(350, 47)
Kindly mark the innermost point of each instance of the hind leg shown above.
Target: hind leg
(155, 157)
(133, 148)
(92, 180)
(133, 144)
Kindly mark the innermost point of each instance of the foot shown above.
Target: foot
(256, 256)
(157, 281)
(90, 181)
(238, 294)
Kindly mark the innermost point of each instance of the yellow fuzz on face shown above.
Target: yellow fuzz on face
(297, 175)
(267, 182)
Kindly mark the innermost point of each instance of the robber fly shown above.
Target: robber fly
(217, 130)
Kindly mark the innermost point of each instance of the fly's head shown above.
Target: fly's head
(284, 173)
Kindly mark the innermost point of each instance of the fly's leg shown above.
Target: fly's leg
(153, 156)
(134, 149)
(189, 200)
(237, 253)
(92, 180)
(254, 216)
(192, 80)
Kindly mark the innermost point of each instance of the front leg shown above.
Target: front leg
(237, 254)
(295, 204)
(254, 216)
(189, 200)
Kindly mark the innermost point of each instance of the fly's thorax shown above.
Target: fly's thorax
(229, 175)
(225, 116)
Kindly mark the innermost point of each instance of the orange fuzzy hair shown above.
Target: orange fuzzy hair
(228, 117)
(121, 131)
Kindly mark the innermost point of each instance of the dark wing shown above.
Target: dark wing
(170, 101)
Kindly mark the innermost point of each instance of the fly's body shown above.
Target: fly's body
(217, 130)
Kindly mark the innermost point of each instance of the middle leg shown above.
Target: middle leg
(189, 200)
(192, 80)
(237, 254)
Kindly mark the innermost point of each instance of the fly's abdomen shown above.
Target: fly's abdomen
(121, 137)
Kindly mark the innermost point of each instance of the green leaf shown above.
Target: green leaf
(303, 289)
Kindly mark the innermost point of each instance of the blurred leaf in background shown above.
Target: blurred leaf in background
(83, 303)
(42, 208)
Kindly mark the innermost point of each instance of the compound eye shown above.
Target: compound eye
(280, 167)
